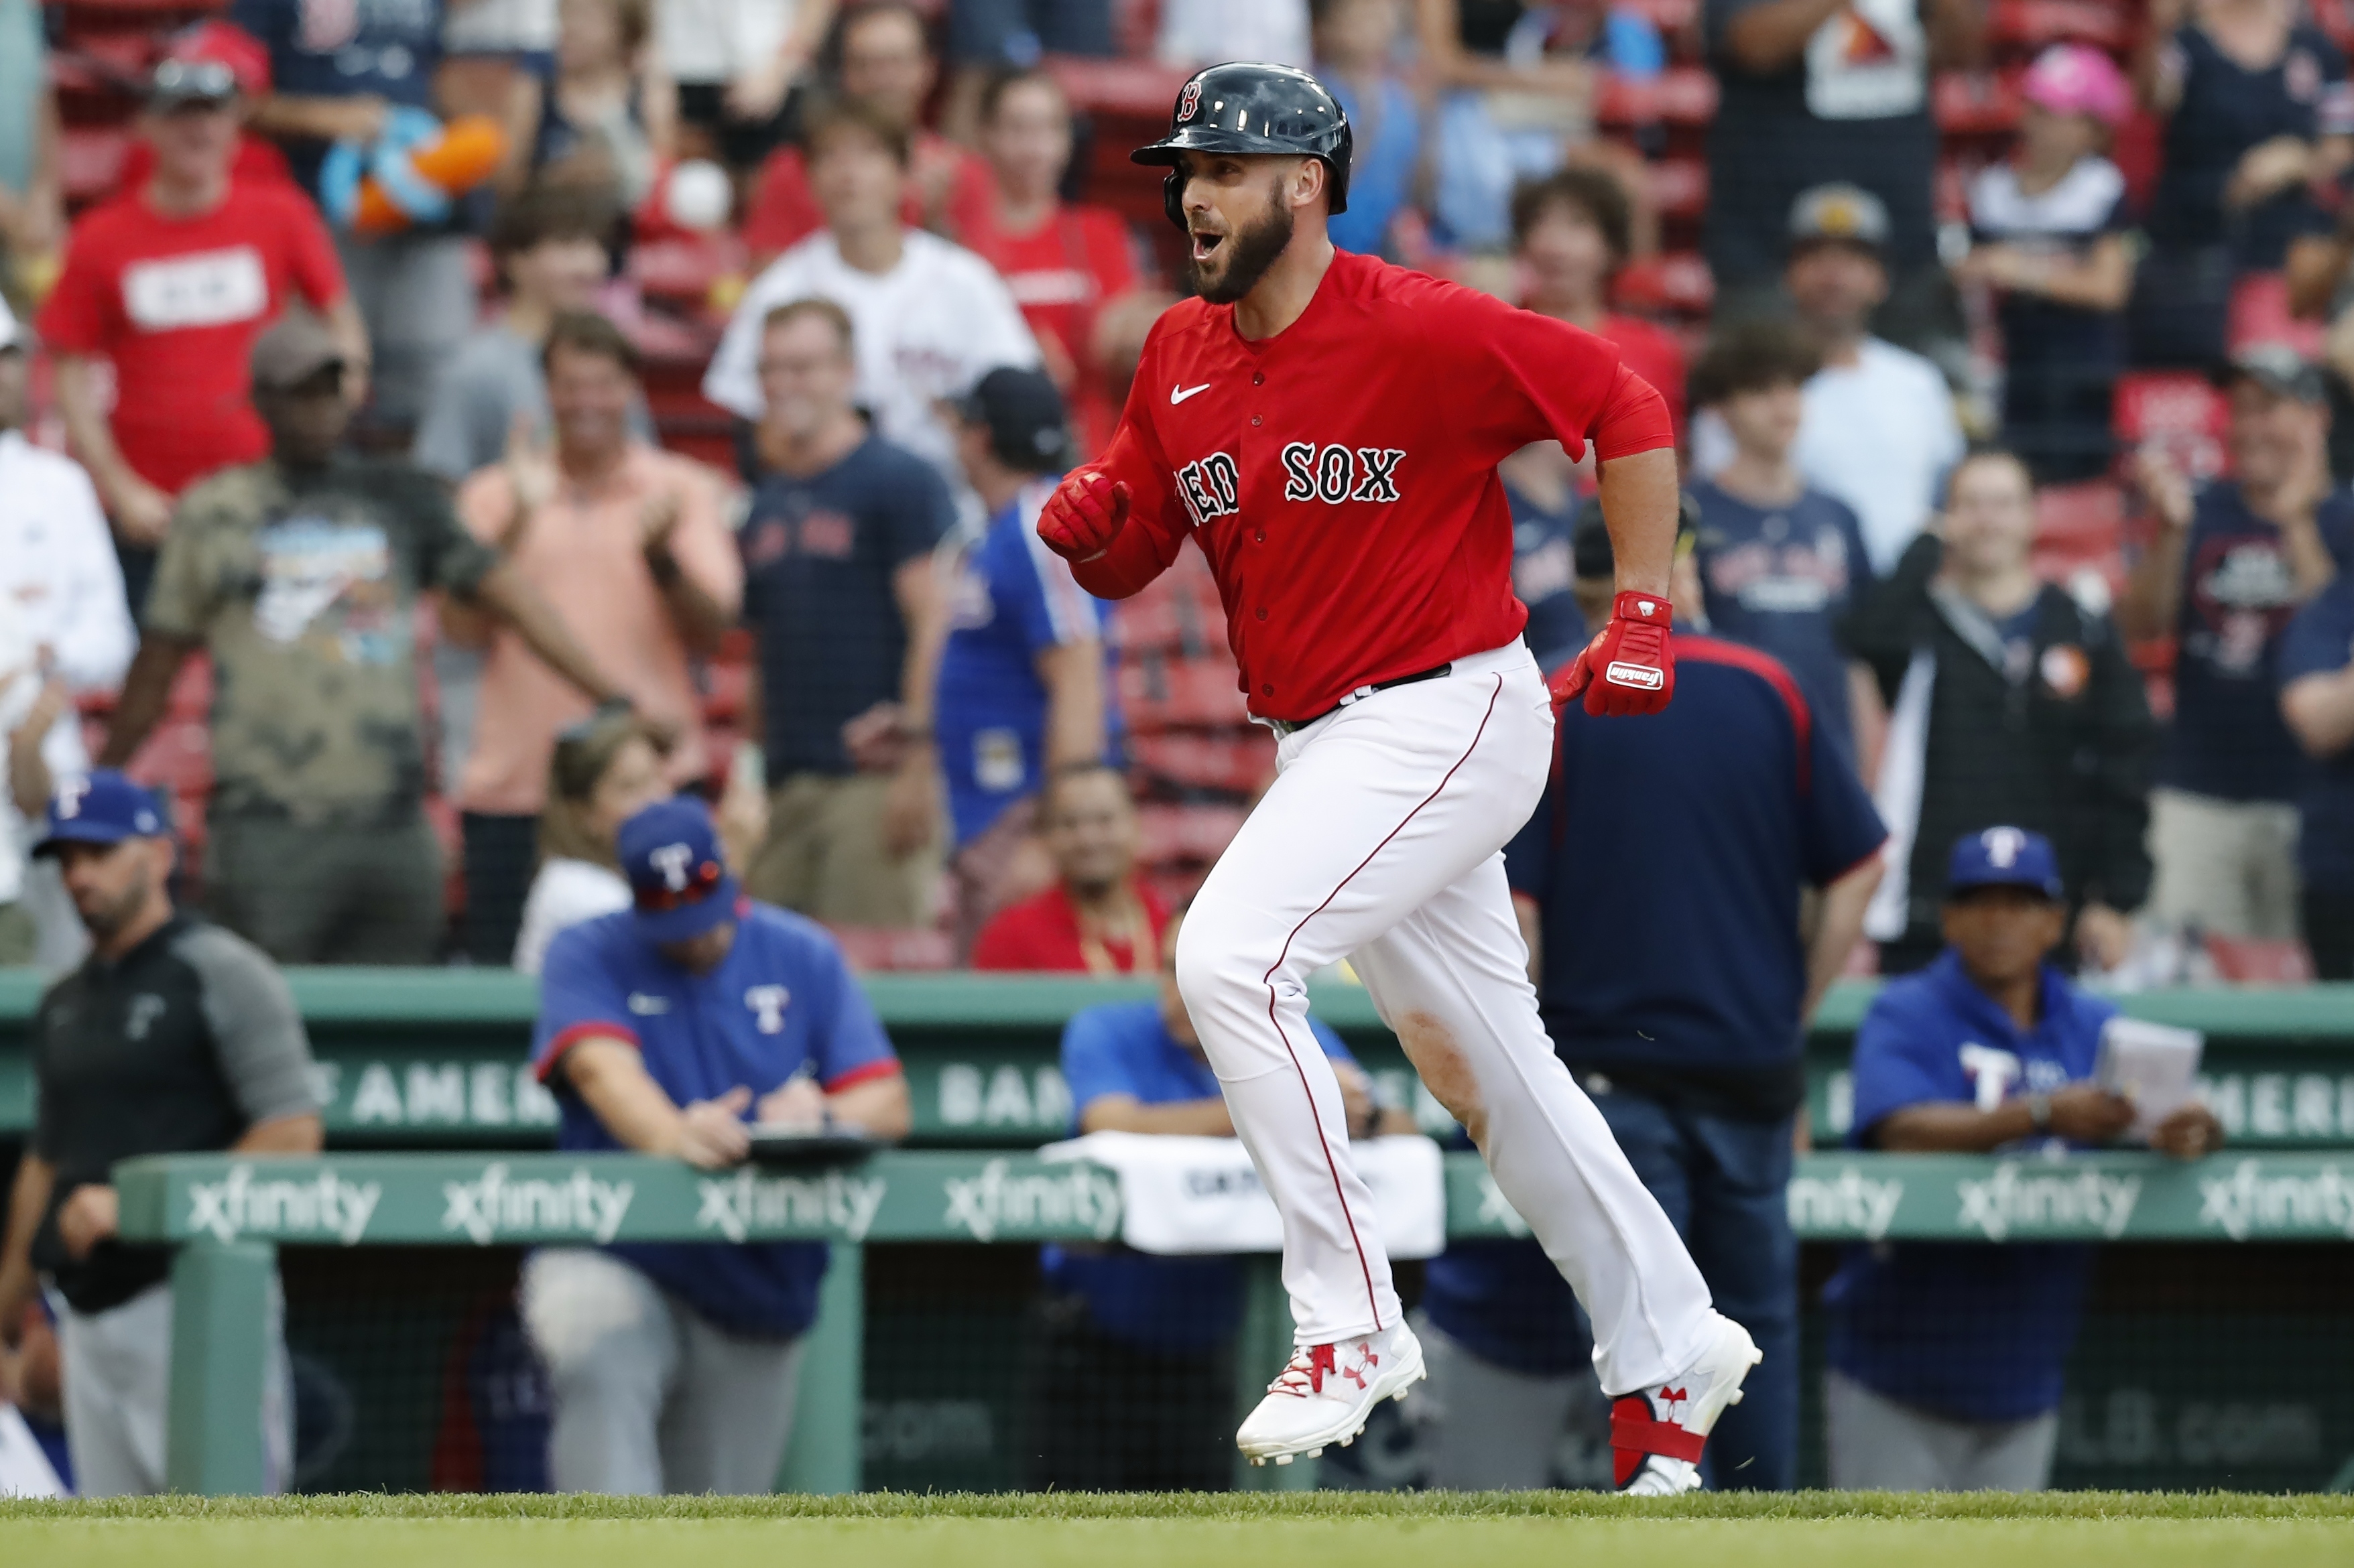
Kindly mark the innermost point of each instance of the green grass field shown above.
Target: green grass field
(1341, 1529)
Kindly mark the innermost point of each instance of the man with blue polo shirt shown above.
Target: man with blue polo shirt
(1022, 690)
(1679, 1003)
(1946, 1358)
(1134, 1384)
(671, 1028)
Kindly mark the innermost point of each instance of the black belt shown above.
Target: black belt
(1291, 727)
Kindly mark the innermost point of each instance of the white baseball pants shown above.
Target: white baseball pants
(1381, 842)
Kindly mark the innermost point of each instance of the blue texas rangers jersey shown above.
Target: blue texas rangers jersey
(1011, 600)
(782, 1003)
(1967, 1330)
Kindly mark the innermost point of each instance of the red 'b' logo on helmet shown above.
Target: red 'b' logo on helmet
(1188, 101)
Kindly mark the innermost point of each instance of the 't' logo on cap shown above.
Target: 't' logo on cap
(2003, 846)
(672, 861)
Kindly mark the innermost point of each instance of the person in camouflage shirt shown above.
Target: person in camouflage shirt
(300, 574)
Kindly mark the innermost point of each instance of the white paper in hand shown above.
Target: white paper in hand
(2155, 1065)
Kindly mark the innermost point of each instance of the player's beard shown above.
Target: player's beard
(1249, 252)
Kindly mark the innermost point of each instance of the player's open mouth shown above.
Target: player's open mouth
(1206, 245)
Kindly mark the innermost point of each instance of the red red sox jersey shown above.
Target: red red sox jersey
(1341, 476)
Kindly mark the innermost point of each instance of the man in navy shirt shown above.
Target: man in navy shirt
(1680, 1007)
(1022, 691)
(2232, 564)
(1780, 560)
(1134, 1388)
(352, 70)
(2317, 674)
(667, 1028)
(1946, 1358)
(841, 591)
(1541, 487)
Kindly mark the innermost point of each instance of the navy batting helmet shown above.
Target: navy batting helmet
(1245, 108)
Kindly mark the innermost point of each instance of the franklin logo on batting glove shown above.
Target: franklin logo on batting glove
(1637, 664)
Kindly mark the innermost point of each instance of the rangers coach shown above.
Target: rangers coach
(173, 1037)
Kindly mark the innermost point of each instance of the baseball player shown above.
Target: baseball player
(1327, 428)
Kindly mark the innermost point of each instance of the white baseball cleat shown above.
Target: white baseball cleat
(1325, 1394)
(1658, 1431)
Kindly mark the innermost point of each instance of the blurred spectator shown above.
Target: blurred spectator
(549, 247)
(300, 574)
(1022, 690)
(1780, 561)
(1572, 232)
(173, 1038)
(735, 63)
(2317, 701)
(1357, 59)
(2257, 110)
(1099, 917)
(1812, 92)
(31, 1383)
(988, 38)
(931, 317)
(625, 543)
(608, 118)
(1682, 1012)
(2231, 564)
(2010, 702)
(65, 633)
(603, 771)
(1879, 430)
(673, 1366)
(1134, 1386)
(340, 75)
(1946, 1358)
(841, 589)
(2049, 236)
(887, 69)
(1064, 264)
(1513, 102)
(220, 43)
(1540, 486)
(164, 289)
(32, 175)
(1197, 33)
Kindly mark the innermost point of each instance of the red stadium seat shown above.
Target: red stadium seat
(1157, 694)
(2081, 528)
(1239, 763)
(2177, 412)
(2260, 960)
(726, 688)
(872, 949)
(1678, 186)
(1170, 834)
(1677, 284)
(2029, 25)
(2260, 314)
(192, 690)
(1681, 95)
(1975, 103)
(685, 271)
(1177, 613)
(177, 756)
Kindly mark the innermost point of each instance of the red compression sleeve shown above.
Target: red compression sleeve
(1634, 418)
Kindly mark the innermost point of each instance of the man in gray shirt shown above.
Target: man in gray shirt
(173, 1037)
(549, 248)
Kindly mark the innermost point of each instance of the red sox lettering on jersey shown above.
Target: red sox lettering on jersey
(1341, 475)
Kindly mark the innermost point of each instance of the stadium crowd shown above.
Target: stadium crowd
(433, 434)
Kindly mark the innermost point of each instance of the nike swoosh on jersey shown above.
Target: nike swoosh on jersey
(1179, 393)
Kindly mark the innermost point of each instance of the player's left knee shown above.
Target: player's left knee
(1445, 1071)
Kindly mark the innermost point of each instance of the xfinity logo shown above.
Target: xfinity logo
(2247, 1200)
(1076, 1195)
(2011, 1199)
(1850, 1203)
(324, 1205)
(735, 1206)
(491, 1206)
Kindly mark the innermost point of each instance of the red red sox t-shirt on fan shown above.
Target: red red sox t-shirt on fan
(1062, 273)
(176, 304)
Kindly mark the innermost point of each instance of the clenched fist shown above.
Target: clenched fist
(1629, 667)
(1084, 516)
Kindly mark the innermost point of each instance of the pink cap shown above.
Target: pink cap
(2069, 78)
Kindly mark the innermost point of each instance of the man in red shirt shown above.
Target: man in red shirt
(887, 63)
(172, 282)
(1327, 428)
(1098, 919)
(1570, 233)
(1064, 264)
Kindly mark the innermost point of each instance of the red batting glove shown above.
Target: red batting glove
(1084, 516)
(1629, 667)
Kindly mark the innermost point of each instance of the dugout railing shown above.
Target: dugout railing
(226, 1216)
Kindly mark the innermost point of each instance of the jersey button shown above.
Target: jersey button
(1259, 379)
(1259, 537)
(1262, 614)
(1266, 691)
(1257, 421)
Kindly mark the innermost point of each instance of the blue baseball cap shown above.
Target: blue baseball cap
(678, 878)
(102, 807)
(2005, 857)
